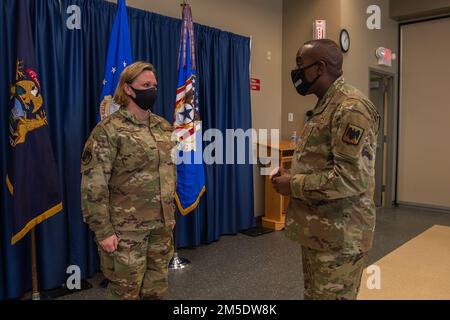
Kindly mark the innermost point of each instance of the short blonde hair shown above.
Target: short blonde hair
(128, 75)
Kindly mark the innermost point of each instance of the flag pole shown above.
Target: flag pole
(35, 295)
(177, 263)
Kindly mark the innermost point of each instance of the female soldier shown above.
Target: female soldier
(127, 189)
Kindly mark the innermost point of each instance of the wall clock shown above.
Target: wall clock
(344, 40)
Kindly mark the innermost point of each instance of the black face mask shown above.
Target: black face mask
(145, 99)
(299, 79)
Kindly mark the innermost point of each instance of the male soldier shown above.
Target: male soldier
(331, 183)
(127, 188)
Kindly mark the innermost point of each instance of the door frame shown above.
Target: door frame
(390, 145)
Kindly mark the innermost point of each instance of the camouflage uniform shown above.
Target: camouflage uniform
(332, 212)
(127, 188)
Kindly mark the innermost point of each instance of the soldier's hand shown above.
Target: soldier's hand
(275, 173)
(110, 244)
(279, 171)
(282, 183)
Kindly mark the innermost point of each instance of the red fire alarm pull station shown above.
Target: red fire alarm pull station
(385, 56)
(255, 84)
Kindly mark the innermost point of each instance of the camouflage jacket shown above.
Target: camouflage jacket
(333, 174)
(128, 175)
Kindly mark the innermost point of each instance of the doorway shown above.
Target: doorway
(380, 93)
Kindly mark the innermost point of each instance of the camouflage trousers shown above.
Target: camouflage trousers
(138, 269)
(331, 275)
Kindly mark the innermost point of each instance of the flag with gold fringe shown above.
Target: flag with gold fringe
(32, 177)
(188, 125)
(119, 57)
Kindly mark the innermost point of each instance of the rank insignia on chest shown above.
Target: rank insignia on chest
(353, 134)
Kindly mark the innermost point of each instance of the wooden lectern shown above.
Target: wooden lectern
(276, 204)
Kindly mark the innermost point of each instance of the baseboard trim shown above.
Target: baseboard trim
(429, 207)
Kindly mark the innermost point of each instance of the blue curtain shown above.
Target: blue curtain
(52, 236)
(71, 64)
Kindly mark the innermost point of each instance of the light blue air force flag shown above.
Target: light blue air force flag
(119, 57)
(188, 125)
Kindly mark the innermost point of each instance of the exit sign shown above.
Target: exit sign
(320, 29)
(255, 84)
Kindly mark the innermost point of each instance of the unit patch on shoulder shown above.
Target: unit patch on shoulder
(353, 134)
(87, 157)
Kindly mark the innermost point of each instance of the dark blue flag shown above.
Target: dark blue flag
(188, 125)
(119, 57)
(32, 174)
